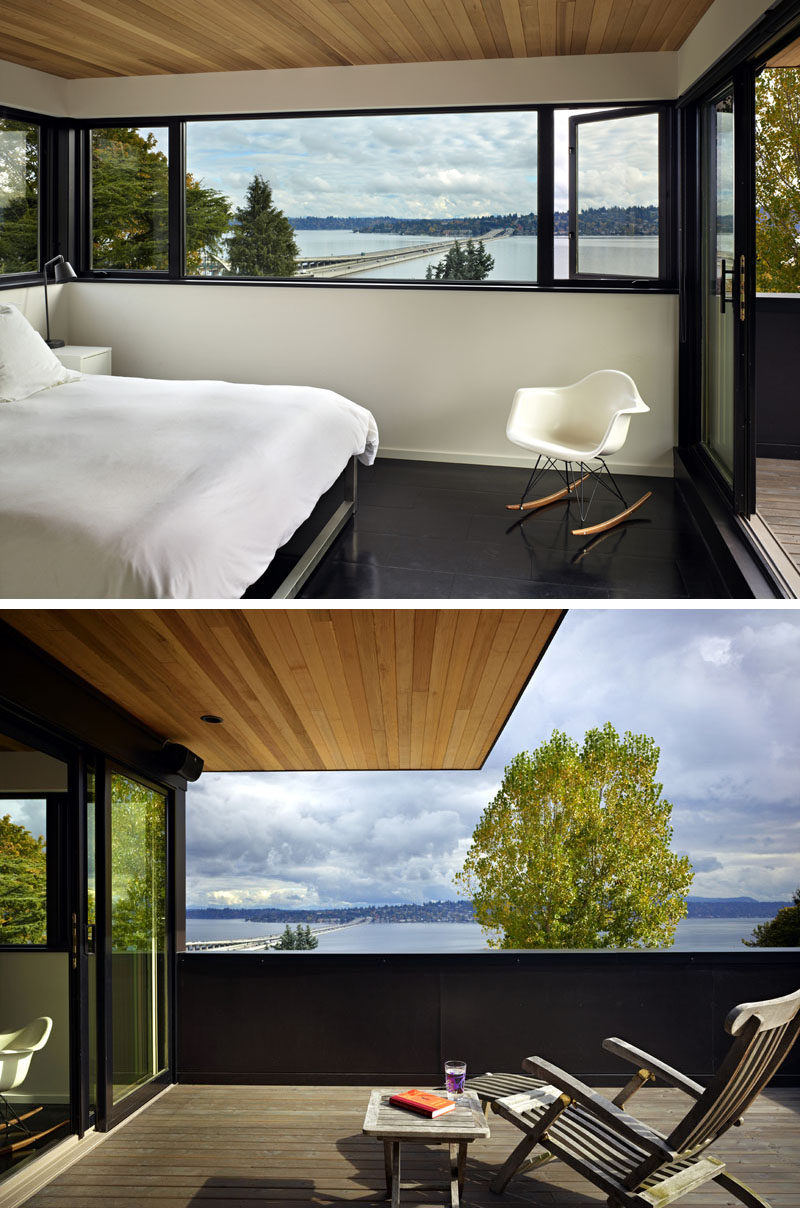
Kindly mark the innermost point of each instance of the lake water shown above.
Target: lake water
(693, 935)
(514, 258)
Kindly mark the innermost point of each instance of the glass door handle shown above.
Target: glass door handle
(722, 275)
(742, 310)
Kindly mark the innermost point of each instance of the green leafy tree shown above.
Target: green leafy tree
(130, 190)
(781, 932)
(138, 868)
(262, 243)
(574, 851)
(778, 180)
(23, 885)
(19, 196)
(468, 263)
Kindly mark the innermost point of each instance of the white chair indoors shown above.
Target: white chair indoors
(16, 1050)
(572, 426)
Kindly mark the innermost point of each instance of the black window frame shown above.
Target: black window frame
(666, 192)
(49, 152)
(666, 282)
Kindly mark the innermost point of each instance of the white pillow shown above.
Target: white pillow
(27, 365)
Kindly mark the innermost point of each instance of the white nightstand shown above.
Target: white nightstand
(86, 358)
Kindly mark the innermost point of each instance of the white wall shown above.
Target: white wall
(715, 32)
(23, 88)
(34, 984)
(438, 369)
(30, 300)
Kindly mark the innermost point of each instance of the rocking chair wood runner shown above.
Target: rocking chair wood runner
(16, 1050)
(633, 1164)
(574, 426)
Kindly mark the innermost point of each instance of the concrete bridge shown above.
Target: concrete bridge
(347, 264)
(260, 943)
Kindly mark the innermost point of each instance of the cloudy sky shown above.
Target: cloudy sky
(718, 690)
(418, 165)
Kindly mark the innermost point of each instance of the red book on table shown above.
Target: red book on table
(423, 1102)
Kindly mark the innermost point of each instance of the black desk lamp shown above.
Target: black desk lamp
(62, 272)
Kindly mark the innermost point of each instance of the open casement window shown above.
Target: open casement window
(617, 196)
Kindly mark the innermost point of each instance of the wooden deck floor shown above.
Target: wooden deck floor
(778, 505)
(235, 1147)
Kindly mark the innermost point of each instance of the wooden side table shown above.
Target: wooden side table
(394, 1125)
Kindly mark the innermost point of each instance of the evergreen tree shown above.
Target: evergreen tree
(262, 244)
(468, 263)
(287, 941)
(310, 941)
(130, 188)
(574, 851)
(23, 885)
(781, 932)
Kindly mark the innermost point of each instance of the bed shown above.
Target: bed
(131, 488)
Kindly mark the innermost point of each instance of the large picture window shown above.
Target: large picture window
(19, 196)
(413, 196)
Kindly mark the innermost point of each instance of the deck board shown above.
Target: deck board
(778, 502)
(236, 1146)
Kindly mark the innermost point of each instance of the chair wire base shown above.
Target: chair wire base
(575, 488)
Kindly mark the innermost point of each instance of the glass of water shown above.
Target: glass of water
(455, 1073)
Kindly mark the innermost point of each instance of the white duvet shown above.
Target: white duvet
(141, 489)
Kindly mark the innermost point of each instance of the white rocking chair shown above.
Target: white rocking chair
(16, 1050)
(576, 425)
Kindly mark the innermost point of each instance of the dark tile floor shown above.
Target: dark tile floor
(430, 530)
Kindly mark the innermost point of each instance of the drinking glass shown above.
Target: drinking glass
(455, 1073)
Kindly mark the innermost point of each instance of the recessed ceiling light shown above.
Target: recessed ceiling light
(211, 718)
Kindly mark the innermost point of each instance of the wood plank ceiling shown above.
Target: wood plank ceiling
(307, 689)
(80, 39)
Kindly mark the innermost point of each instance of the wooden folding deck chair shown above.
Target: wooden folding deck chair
(633, 1164)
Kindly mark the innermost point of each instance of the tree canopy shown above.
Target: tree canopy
(781, 932)
(262, 243)
(299, 940)
(138, 867)
(778, 180)
(130, 205)
(23, 885)
(574, 850)
(470, 262)
(19, 196)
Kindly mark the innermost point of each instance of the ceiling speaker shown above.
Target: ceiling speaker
(181, 761)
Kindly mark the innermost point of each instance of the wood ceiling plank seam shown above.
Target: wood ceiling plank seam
(236, 36)
(441, 664)
(495, 17)
(387, 672)
(383, 51)
(460, 649)
(480, 24)
(484, 701)
(565, 23)
(452, 35)
(66, 66)
(636, 16)
(670, 14)
(313, 640)
(481, 649)
(529, 12)
(243, 716)
(329, 24)
(548, 27)
(519, 659)
(351, 674)
(453, 757)
(580, 26)
(616, 24)
(460, 19)
(420, 16)
(105, 26)
(284, 25)
(384, 15)
(645, 34)
(512, 16)
(347, 17)
(425, 621)
(404, 663)
(366, 638)
(685, 23)
(294, 652)
(601, 14)
(270, 707)
(410, 16)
